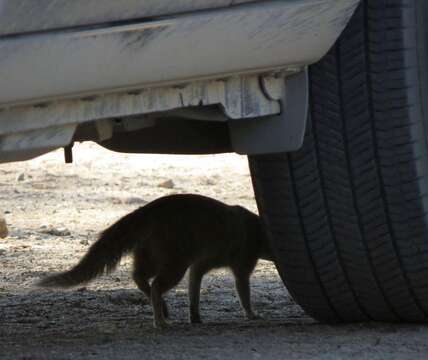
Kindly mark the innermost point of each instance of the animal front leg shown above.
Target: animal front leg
(197, 271)
(156, 300)
(242, 283)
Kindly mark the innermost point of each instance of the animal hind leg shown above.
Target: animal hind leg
(144, 270)
(165, 280)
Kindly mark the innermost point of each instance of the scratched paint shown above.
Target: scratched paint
(18, 16)
(136, 40)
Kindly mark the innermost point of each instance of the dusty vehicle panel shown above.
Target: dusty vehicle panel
(65, 65)
(248, 38)
(56, 14)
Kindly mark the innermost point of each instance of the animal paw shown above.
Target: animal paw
(160, 324)
(254, 316)
(195, 320)
(165, 311)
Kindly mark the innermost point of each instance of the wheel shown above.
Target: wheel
(347, 213)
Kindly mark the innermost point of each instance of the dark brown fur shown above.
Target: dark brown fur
(169, 235)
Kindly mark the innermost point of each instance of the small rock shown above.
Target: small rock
(43, 186)
(134, 201)
(55, 231)
(3, 228)
(20, 177)
(209, 182)
(84, 242)
(2, 252)
(256, 354)
(116, 201)
(107, 329)
(124, 298)
(169, 184)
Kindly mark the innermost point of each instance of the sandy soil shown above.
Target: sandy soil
(54, 212)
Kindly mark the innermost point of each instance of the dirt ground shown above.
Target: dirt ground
(54, 212)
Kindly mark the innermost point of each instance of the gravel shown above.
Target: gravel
(54, 212)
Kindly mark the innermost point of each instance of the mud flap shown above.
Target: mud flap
(279, 133)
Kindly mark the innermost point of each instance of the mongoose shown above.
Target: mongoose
(170, 235)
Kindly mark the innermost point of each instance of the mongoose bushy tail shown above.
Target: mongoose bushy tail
(104, 255)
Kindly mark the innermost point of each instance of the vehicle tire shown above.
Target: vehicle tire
(348, 213)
